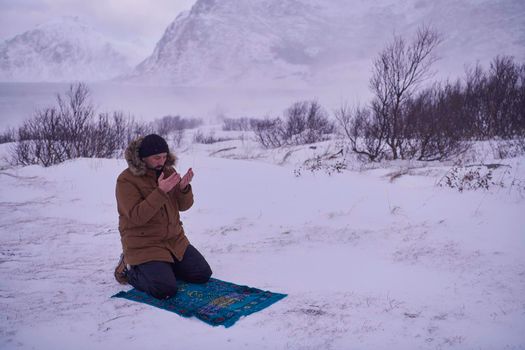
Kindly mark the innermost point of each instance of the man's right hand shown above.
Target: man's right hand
(167, 184)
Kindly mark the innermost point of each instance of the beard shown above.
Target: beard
(156, 168)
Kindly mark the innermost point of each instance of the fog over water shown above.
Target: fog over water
(19, 101)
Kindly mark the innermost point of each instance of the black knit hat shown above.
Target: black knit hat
(153, 144)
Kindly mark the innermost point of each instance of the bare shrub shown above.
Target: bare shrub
(111, 133)
(173, 127)
(239, 124)
(173, 124)
(71, 130)
(365, 133)
(39, 140)
(200, 137)
(511, 148)
(502, 103)
(76, 113)
(432, 130)
(429, 122)
(473, 92)
(329, 163)
(269, 133)
(8, 135)
(473, 177)
(397, 72)
(127, 129)
(164, 125)
(441, 121)
(306, 122)
(496, 100)
(177, 137)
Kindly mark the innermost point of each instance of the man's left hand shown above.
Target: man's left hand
(186, 179)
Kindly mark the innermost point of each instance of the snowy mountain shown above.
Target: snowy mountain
(61, 50)
(311, 41)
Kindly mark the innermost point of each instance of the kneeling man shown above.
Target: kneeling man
(150, 193)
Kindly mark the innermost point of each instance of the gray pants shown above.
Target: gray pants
(159, 278)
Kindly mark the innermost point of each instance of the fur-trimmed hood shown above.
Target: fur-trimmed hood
(135, 164)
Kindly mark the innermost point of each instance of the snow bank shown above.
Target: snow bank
(369, 260)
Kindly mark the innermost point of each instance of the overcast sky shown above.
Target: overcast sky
(140, 22)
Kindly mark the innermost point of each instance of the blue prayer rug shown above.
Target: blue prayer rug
(216, 302)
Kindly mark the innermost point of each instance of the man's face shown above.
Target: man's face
(155, 161)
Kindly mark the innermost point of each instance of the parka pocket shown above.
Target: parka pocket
(154, 231)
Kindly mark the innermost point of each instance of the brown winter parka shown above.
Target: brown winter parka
(149, 221)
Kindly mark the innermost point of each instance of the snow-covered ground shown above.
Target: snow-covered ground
(370, 259)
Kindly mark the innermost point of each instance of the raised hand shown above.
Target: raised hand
(186, 179)
(167, 184)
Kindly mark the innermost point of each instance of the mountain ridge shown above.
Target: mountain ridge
(304, 42)
(62, 49)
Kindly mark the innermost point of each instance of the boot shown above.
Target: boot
(121, 271)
